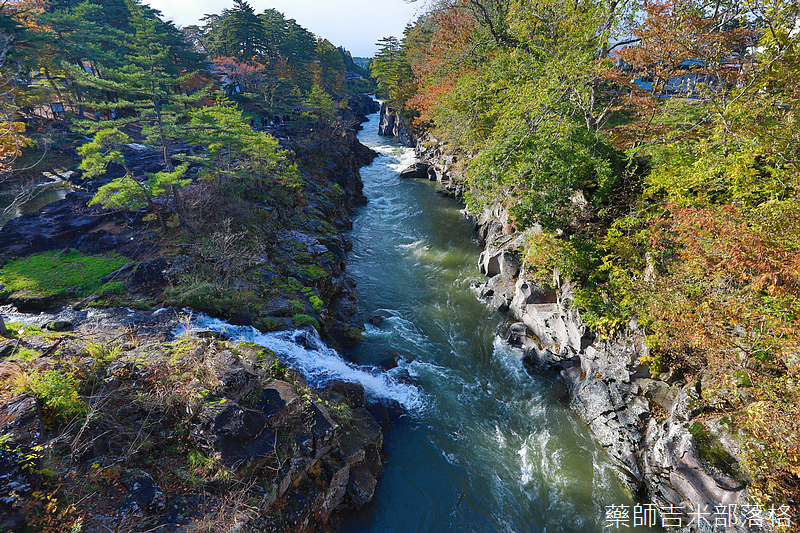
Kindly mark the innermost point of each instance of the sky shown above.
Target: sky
(355, 24)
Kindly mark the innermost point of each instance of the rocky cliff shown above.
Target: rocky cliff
(653, 428)
(145, 428)
(393, 124)
(648, 425)
(175, 432)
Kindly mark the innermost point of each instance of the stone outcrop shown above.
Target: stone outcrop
(609, 388)
(319, 451)
(439, 160)
(393, 124)
(417, 171)
(230, 411)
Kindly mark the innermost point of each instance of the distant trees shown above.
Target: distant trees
(391, 68)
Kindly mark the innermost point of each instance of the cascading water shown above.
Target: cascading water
(305, 352)
(493, 449)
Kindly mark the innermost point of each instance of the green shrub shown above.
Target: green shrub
(57, 391)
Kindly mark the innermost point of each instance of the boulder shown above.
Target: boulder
(500, 289)
(415, 171)
(317, 418)
(232, 433)
(362, 485)
(150, 275)
(59, 325)
(144, 493)
(279, 402)
(236, 380)
(678, 475)
(17, 482)
(504, 262)
(20, 417)
(241, 317)
(277, 307)
(334, 474)
(352, 392)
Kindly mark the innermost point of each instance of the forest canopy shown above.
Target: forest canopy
(649, 151)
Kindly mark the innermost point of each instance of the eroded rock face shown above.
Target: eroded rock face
(327, 450)
(415, 171)
(607, 386)
(20, 420)
(393, 124)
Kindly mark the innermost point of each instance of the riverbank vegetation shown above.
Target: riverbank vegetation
(247, 113)
(213, 168)
(650, 150)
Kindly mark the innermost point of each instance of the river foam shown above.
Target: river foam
(303, 351)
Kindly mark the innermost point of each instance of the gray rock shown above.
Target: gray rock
(362, 485)
(415, 171)
(677, 476)
(235, 376)
(277, 307)
(144, 493)
(21, 418)
(59, 325)
(232, 433)
(504, 262)
(279, 402)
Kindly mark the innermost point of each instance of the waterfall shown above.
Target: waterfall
(304, 351)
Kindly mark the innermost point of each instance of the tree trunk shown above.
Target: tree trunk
(3, 330)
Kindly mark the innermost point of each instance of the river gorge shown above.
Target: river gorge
(488, 447)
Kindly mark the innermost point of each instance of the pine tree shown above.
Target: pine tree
(144, 91)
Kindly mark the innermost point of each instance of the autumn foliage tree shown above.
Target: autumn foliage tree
(655, 144)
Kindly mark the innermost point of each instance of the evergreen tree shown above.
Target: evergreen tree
(330, 74)
(144, 91)
(129, 191)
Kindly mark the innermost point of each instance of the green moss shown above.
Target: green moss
(305, 320)
(277, 369)
(309, 272)
(54, 274)
(115, 287)
(26, 354)
(712, 452)
(742, 379)
(29, 330)
(316, 302)
(209, 298)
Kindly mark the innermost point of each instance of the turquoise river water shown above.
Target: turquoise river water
(482, 446)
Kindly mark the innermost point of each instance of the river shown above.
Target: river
(45, 193)
(482, 446)
(489, 448)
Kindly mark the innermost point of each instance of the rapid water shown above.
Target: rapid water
(483, 446)
(490, 448)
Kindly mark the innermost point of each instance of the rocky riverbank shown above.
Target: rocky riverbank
(655, 428)
(145, 427)
(393, 124)
(114, 420)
